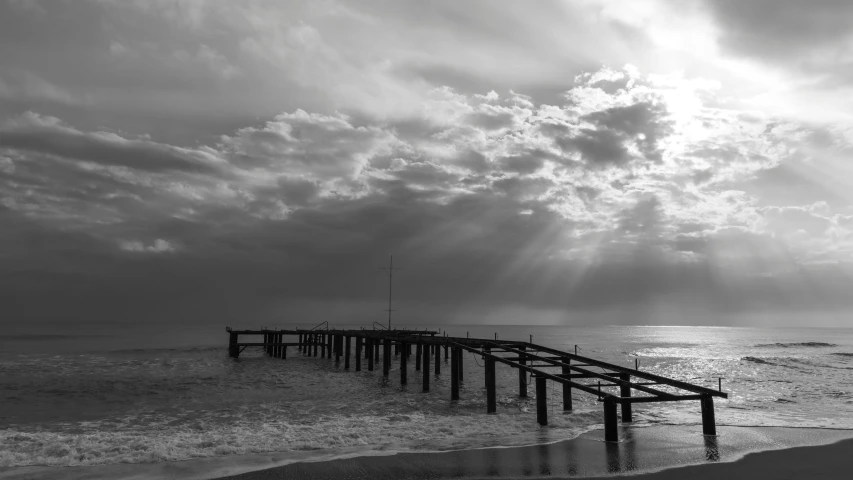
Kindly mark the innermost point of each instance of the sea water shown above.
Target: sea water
(94, 394)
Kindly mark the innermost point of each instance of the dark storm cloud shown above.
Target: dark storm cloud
(641, 125)
(46, 135)
(806, 35)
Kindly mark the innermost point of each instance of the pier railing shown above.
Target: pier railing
(574, 371)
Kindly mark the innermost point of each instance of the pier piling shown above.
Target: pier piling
(611, 432)
(709, 426)
(541, 401)
(522, 375)
(491, 387)
(386, 357)
(625, 392)
(358, 344)
(347, 352)
(425, 373)
(567, 389)
(403, 370)
(454, 375)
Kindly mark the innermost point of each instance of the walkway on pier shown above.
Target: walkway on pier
(542, 363)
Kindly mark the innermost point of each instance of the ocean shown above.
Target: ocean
(95, 394)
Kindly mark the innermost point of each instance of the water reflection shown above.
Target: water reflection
(544, 460)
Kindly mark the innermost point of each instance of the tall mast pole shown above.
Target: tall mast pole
(390, 278)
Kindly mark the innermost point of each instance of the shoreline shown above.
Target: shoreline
(648, 452)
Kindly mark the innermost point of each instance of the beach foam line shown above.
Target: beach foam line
(166, 442)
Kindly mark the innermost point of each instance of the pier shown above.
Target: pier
(424, 349)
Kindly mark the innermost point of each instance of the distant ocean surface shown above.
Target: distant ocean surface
(104, 394)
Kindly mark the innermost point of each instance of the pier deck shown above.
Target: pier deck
(528, 358)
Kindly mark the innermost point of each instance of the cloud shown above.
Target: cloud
(513, 212)
(21, 85)
(158, 246)
(48, 135)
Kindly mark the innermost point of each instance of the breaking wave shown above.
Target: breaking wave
(209, 438)
(796, 344)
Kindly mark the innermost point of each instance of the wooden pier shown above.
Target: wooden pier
(572, 371)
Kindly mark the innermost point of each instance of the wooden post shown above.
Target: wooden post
(403, 370)
(299, 343)
(233, 349)
(339, 340)
(329, 341)
(437, 359)
(454, 375)
(418, 355)
(709, 426)
(280, 350)
(611, 433)
(461, 354)
(541, 401)
(266, 347)
(386, 357)
(567, 389)
(522, 375)
(316, 341)
(322, 346)
(347, 352)
(425, 374)
(284, 352)
(625, 391)
(376, 349)
(358, 345)
(370, 354)
(491, 400)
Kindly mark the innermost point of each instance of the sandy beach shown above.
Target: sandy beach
(673, 452)
(660, 452)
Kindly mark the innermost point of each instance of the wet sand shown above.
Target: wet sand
(659, 452)
(672, 452)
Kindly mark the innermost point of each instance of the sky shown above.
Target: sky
(569, 162)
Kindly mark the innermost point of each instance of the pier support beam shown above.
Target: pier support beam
(233, 349)
(329, 345)
(491, 396)
(359, 342)
(403, 370)
(386, 357)
(418, 355)
(625, 391)
(300, 343)
(316, 341)
(454, 375)
(567, 389)
(459, 362)
(541, 401)
(376, 349)
(339, 340)
(369, 351)
(425, 374)
(322, 346)
(522, 375)
(611, 432)
(709, 426)
(347, 351)
(437, 359)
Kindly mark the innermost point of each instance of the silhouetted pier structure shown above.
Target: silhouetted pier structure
(572, 371)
